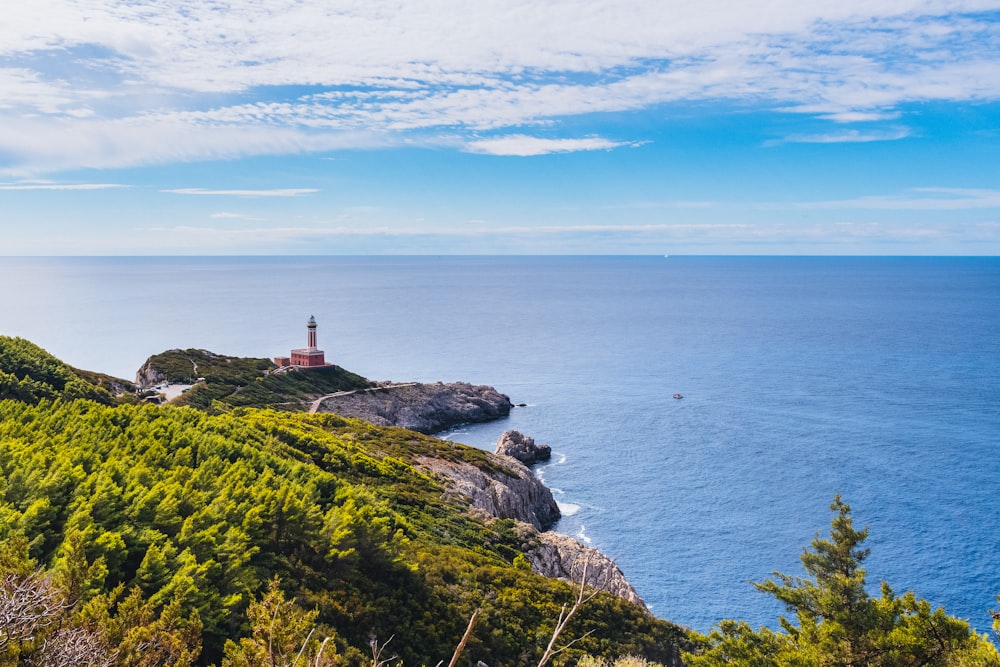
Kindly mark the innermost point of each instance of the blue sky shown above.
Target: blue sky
(494, 127)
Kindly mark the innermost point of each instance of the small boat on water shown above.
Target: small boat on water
(678, 396)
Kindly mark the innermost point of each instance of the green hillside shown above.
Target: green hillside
(143, 535)
(227, 381)
(167, 526)
(29, 373)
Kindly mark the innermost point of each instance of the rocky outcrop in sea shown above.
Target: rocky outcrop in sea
(427, 408)
(522, 447)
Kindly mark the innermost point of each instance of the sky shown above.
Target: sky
(288, 127)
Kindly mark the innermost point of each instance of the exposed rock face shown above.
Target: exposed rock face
(562, 557)
(522, 448)
(149, 376)
(514, 493)
(508, 492)
(427, 408)
(163, 367)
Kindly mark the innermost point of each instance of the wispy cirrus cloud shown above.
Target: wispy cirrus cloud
(60, 186)
(227, 215)
(105, 84)
(278, 192)
(524, 145)
(845, 137)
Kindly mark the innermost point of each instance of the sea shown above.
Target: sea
(799, 378)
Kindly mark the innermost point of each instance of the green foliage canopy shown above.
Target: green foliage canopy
(838, 624)
(173, 511)
(30, 374)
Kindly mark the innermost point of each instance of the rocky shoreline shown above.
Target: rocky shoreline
(501, 487)
(425, 408)
(505, 488)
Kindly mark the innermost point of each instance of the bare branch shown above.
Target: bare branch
(27, 603)
(270, 634)
(75, 647)
(465, 638)
(319, 654)
(583, 595)
(377, 659)
(304, 645)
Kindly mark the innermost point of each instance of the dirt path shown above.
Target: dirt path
(319, 401)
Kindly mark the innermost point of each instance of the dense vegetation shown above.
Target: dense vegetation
(28, 373)
(222, 381)
(187, 366)
(180, 520)
(246, 537)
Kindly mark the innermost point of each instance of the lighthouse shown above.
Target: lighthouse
(309, 356)
(311, 332)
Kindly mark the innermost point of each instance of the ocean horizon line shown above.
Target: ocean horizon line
(512, 255)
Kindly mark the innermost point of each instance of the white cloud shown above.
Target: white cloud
(847, 136)
(522, 145)
(226, 215)
(23, 87)
(282, 192)
(102, 83)
(60, 186)
(33, 145)
(842, 116)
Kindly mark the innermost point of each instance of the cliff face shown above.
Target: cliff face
(517, 494)
(511, 493)
(562, 557)
(149, 376)
(427, 408)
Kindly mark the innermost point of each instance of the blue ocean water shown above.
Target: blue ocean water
(878, 378)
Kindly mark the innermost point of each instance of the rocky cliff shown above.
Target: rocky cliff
(506, 489)
(149, 375)
(427, 408)
(522, 448)
(562, 557)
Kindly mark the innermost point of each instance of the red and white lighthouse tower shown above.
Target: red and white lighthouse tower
(311, 328)
(310, 355)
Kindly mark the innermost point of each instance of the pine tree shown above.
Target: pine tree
(837, 624)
